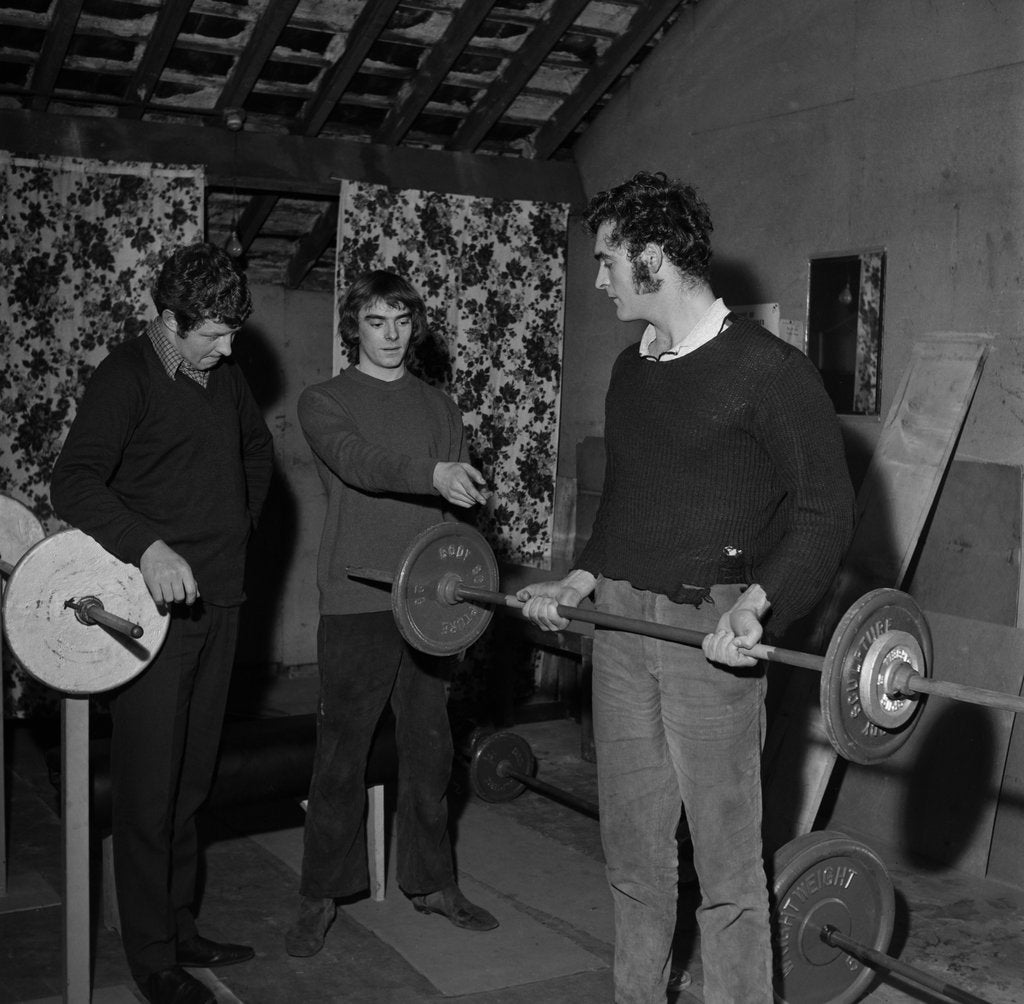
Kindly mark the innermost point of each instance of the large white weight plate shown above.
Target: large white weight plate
(19, 529)
(51, 643)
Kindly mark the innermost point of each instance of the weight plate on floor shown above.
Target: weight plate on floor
(886, 617)
(491, 757)
(820, 879)
(51, 643)
(443, 556)
(19, 529)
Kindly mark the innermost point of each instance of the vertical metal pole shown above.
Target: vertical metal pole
(75, 795)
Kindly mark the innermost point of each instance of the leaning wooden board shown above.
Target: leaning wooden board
(914, 449)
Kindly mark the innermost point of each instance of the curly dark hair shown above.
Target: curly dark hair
(201, 282)
(651, 209)
(380, 286)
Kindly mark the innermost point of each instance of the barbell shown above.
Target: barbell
(833, 904)
(875, 673)
(502, 766)
(76, 618)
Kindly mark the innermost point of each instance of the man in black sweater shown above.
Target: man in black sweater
(726, 508)
(167, 466)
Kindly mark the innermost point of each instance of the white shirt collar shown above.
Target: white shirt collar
(703, 331)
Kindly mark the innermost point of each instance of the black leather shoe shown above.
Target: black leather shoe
(175, 986)
(451, 903)
(201, 953)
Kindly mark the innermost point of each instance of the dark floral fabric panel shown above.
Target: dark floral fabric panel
(80, 243)
(492, 274)
(869, 327)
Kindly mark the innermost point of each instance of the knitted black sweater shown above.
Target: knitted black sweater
(725, 465)
(150, 457)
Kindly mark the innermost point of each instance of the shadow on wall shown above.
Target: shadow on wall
(273, 541)
(735, 282)
(945, 812)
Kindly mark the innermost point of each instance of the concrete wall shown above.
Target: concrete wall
(815, 127)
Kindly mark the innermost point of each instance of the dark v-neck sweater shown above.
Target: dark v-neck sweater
(153, 457)
(724, 465)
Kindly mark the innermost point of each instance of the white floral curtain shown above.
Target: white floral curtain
(80, 243)
(492, 274)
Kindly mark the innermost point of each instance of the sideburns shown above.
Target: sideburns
(643, 281)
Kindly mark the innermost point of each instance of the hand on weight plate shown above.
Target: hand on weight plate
(168, 575)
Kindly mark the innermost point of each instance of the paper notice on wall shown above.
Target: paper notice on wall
(794, 332)
(766, 314)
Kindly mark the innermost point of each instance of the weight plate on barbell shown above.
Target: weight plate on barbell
(449, 552)
(486, 777)
(886, 616)
(51, 643)
(880, 698)
(19, 529)
(819, 879)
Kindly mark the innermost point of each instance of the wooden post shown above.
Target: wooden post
(75, 799)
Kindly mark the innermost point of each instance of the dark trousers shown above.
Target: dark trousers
(365, 663)
(166, 732)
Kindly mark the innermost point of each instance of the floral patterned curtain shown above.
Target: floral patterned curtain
(492, 275)
(80, 242)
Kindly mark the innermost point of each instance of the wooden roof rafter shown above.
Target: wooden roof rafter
(507, 84)
(648, 19)
(169, 19)
(54, 51)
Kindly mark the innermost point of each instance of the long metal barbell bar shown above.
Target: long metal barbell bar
(901, 678)
(874, 673)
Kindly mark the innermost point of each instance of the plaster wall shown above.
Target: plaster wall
(285, 347)
(815, 127)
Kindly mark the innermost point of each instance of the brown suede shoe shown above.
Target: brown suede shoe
(306, 936)
(451, 903)
(679, 979)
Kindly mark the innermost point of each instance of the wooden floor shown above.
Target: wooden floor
(965, 931)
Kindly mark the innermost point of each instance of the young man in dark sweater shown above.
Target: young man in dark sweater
(392, 455)
(726, 508)
(167, 465)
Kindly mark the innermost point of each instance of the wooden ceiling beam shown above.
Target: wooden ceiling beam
(519, 68)
(365, 31)
(311, 247)
(288, 165)
(55, 48)
(418, 90)
(249, 65)
(169, 18)
(372, 20)
(257, 211)
(650, 16)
